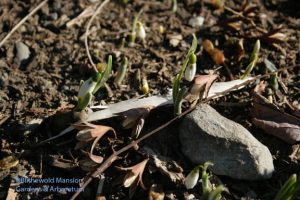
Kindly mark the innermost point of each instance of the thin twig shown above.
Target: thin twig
(107, 163)
(22, 21)
(87, 33)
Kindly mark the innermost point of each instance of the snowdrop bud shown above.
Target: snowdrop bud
(190, 70)
(145, 86)
(141, 33)
(256, 47)
(88, 85)
(192, 178)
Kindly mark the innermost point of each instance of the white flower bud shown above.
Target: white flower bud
(88, 86)
(190, 72)
(141, 33)
(192, 178)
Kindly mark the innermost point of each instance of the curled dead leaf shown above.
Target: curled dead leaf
(134, 176)
(132, 116)
(174, 174)
(274, 121)
(202, 84)
(89, 132)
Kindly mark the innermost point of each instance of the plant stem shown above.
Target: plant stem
(87, 33)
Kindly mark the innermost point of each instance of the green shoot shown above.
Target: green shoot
(205, 181)
(133, 34)
(91, 86)
(121, 72)
(290, 190)
(178, 92)
(216, 194)
(105, 75)
(174, 7)
(179, 99)
(253, 60)
(274, 78)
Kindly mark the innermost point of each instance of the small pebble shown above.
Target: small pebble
(196, 22)
(23, 51)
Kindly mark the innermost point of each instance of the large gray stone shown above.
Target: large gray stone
(205, 135)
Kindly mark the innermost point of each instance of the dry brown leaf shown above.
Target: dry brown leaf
(132, 116)
(217, 56)
(137, 130)
(90, 132)
(134, 177)
(235, 25)
(175, 176)
(202, 84)
(215, 53)
(275, 37)
(207, 45)
(275, 122)
(240, 52)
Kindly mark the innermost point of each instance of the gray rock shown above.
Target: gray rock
(205, 135)
(23, 51)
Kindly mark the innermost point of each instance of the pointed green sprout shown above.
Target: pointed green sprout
(105, 75)
(121, 72)
(178, 92)
(253, 60)
(174, 8)
(274, 78)
(290, 190)
(91, 86)
(133, 34)
(86, 90)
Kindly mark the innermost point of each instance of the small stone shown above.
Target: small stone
(205, 135)
(23, 51)
(175, 39)
(196, 22)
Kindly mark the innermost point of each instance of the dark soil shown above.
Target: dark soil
(49, 81)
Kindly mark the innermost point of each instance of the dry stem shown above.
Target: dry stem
(87, 33)
(22, 21)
